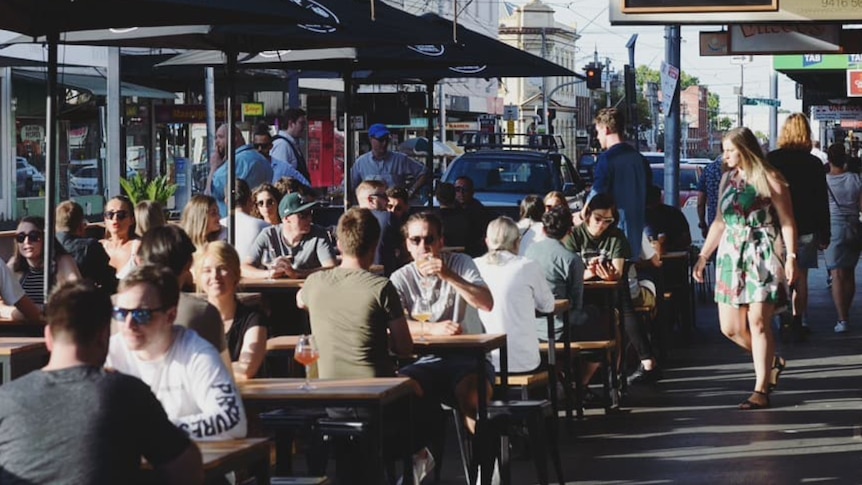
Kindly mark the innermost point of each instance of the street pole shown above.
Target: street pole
(741, 97)
(671, 121)
(545, 119)
(773, 112)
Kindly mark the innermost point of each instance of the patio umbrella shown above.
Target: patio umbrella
(51, 17)
(473, 55)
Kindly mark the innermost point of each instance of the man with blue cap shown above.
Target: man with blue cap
(390, 167)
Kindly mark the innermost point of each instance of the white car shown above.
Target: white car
(85, 181)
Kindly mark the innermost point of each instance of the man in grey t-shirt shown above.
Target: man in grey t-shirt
(451, 282)
(297, 247)
(53, 431)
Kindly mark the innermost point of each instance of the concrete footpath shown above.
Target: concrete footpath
(687, 428)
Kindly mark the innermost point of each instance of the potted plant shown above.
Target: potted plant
(139, 189)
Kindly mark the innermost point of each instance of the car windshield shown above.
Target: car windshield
(687, 178)
(507, 175)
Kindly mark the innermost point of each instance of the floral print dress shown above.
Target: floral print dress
(748, 266)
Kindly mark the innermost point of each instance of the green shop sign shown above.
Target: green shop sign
(807, 62)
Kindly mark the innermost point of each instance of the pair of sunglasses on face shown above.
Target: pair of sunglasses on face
(33, 236)
(120, 215)
(141, 316)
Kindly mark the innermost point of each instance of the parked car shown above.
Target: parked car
(689, 175)
(29, 180)
(587, 166)
(503, 177)
(85, 181)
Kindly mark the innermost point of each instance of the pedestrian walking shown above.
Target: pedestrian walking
(751, 264)
(842, 255)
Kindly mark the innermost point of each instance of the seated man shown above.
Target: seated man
(665, 225)
(451, 282)
(297, 246)
(184, 371)
(356, 331)
(371, 194)
(75, 422)
(93, 262)
(170, 247)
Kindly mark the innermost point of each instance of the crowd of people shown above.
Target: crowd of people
(127, 302)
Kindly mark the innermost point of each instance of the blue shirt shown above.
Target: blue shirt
(621, 172)
(393, 169)
(250, 166)
(708, 184)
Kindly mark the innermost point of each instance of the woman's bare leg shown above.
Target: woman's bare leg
(734, 326)
(843, 287)
(762, 343)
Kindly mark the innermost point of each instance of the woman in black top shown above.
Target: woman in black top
(28, 261)
(245, 327)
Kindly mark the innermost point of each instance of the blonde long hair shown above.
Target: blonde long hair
(753, 163)
(796, 133)
(222, 253)
(195, 219)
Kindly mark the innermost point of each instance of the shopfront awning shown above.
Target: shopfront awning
(94, 84)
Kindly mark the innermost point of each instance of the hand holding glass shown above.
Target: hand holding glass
(306, 354)
(268, 260)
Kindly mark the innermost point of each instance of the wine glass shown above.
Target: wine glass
(422, 313)
(306, 354)
(267, 259)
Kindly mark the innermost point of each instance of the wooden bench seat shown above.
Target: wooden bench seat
(526, 380)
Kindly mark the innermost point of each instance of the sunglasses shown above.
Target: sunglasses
(141, 316)
(603, 220)
(415, 240)
(33, 236)
(267, 202)
(121, 215)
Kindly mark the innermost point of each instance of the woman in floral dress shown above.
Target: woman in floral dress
(751, 264)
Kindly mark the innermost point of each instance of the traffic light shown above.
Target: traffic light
(594, 76)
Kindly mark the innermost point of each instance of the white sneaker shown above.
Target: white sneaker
(841, 327)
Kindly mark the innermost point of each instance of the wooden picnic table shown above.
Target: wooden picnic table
(20, 355)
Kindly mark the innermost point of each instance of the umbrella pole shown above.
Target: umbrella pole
(51, 147)
(349, 153)
(429, 133)
(230, 185)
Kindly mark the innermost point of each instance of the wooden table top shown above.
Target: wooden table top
(600, 284)
(265, 284)
(373, 390)
(15, 345)
(219, 453)
(282, 343)
(485, 342)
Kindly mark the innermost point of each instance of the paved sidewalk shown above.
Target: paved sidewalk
(687, 429)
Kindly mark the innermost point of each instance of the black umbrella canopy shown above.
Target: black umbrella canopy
(41, 17)
(341, 23)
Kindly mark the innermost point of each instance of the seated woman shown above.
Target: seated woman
(27, 263)
(519, 289)
(149, 214)
(266, 198)
(120, 242)
(201, 220)
(245, 327)
(530, 222)
(604, 250)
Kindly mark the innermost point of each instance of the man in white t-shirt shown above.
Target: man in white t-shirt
(184, 371)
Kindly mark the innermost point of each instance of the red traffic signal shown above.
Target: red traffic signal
(594, 77)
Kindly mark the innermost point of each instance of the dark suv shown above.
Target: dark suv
(503, 174)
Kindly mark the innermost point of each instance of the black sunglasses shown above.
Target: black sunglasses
(121, 215)
(267, 202)
(33, 236)
(141, 316)
(415, 240)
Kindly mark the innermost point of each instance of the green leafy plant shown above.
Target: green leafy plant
(139, 189)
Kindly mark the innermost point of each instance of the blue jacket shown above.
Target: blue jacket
(621, 171)
(250, 166)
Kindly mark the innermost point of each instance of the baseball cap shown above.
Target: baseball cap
(293, 204)
(378, 130)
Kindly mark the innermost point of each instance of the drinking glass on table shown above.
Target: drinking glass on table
(268, 260)
(306, 354)
(422, 313)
